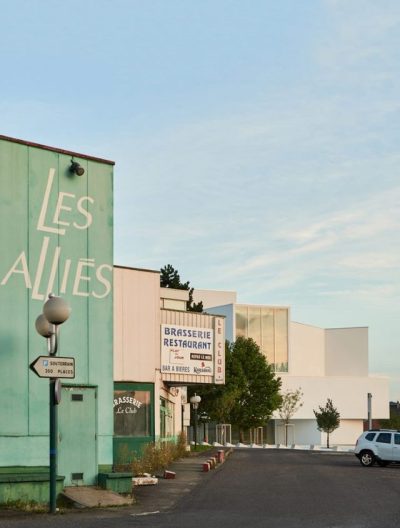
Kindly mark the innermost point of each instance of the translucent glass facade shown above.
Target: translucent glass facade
(269, 329)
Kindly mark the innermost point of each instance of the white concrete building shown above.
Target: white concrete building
(323, 363)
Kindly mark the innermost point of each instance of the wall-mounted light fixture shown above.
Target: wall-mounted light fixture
(77, 169)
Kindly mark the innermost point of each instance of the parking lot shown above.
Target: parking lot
(260, 488)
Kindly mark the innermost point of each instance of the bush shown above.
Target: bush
(157, 456)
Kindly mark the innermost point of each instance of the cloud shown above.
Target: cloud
(292, 192)
(363, 40)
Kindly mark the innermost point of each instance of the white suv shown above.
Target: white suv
(378, 445)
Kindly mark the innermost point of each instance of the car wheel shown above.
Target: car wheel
(367, 458)
(383, 463)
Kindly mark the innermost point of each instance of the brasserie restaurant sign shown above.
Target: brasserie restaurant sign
(187, 350)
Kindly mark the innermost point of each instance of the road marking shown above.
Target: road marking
(144, 513)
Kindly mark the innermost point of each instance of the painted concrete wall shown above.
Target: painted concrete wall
(305, 432)
(306, 351)
(212, 298)
(348, 430)
(346, 351)
(301, 432)
(50, 226)
(349, 394)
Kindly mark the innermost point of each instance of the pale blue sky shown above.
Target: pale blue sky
(256, 143)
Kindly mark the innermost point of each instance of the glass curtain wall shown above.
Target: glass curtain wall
(269, 328)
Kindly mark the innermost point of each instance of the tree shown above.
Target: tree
(394, 421)
(328, 419)
(170, 278)
(291, 403)
(251, 391)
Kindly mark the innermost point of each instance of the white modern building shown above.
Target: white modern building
(323, 363)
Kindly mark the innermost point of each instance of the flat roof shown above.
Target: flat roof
(53, 149)
(136, 269)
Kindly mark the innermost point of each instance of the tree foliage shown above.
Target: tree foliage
(290, 404)
(328, 419)
(394, 421)
(251, 391)
(391, 423)
(170, 278)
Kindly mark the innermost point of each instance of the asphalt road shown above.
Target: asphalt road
(265, 488)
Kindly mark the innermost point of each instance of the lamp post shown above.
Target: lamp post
(55, 312)
(195, 400)
(204, 419)
(369, 401)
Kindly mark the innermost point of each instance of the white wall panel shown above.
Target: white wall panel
(348, 394)
(346, 352)
(306, 353)
(136, 324)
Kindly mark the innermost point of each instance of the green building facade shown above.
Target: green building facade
(56, 236)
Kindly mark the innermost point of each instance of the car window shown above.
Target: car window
(384, 438)
(397, 439)
(370, 436)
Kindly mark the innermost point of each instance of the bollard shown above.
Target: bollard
(221, 456)
(206, 466)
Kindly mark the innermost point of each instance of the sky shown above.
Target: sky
(256, 143)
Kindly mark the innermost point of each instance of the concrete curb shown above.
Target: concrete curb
(214, 461)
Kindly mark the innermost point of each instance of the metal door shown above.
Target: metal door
(77, 436)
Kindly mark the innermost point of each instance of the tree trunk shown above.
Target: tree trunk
(327, 440)
(241, 437)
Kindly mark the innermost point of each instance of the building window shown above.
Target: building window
(269, 329)
(281, 339)
(132, 413)
(268, 334)
(166, 418)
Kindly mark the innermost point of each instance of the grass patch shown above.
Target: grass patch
(200, 448)
(27, 506)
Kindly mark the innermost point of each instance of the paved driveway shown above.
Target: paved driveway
(263, 488)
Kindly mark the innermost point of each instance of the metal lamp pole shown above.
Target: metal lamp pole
(55, 312)
(369, 400)
(195, 400)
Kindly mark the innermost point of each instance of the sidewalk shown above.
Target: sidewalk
(166, 494)
(160, 497)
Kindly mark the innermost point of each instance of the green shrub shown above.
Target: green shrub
(157, 456)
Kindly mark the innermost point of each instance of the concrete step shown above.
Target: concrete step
(93, 497)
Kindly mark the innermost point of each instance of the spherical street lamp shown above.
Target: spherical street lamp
(55, 312)
(43, 327)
